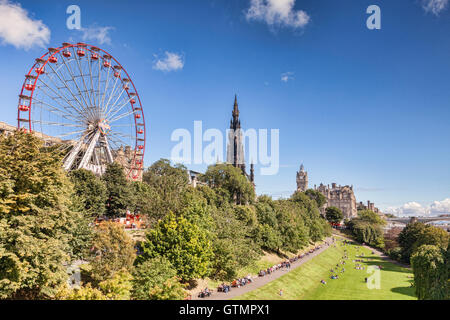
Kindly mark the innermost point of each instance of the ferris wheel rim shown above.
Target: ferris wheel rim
(139, 127)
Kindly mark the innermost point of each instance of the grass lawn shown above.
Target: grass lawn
(303, 283)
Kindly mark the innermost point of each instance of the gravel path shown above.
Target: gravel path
(260, 281)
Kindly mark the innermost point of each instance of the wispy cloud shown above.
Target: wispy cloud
(434, 6)
(19, 30)
(170, 62)
(277, 13)
(97, 34)
(287, 76)
(416, 209)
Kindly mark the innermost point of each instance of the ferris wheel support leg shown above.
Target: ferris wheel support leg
(73, 153)
(88, 154)
(108, 152)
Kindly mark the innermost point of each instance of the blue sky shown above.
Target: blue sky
(368, 108)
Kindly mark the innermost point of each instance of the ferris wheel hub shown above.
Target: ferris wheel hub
(103, 126)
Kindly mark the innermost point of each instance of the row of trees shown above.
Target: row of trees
(367, 228)
(214, 230)
(426, 249)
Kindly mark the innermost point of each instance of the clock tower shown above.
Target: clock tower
(302, 179)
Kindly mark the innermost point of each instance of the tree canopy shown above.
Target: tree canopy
(36, 222)
(334, 215)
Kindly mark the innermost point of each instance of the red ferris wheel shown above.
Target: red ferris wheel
(80, 96)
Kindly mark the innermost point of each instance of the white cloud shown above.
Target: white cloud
(285, 77)
(19, 30)
(171, 62)
(277, 13)
(434, 6)
(97, 34)
(440, 207)
(416, 209)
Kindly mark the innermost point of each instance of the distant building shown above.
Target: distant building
(341, 197)
(302, 179)
(193, 178)
(235, 146)
(370, 206)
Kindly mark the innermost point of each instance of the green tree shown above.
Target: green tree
(86, 292)
(408, 237)
(119, 197)
(90, 190)
(112, 252)
(167, 185)
(370, 216)
(118, 287)
(290, 224)
(233, 245)
(367, 232)
(334, 215)
(246, 214)
(431, 273)
(184, 244)
(317, 226)
(317, 196)
(268, 237)
(417, 234)
(156, 279)
(432, 235)
(231, 179)
(35, 219)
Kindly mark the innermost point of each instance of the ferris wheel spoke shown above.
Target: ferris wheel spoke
(70, 105)
(99, 73)
(79, 110)
(92, 81)
(86, 110)
(70, 133)
(126, 136)
(118, 142)
(117, 109)
(123, 115)
(82, 77)
(105, 88)
(60, 124)
(111, 95)
(112, 107)
(50, 108)
(67, 106)
(122, 125)
(62, 79)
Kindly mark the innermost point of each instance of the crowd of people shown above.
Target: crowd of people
(225, 288)
(287, 264)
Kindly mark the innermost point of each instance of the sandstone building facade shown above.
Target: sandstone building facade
(341, 197)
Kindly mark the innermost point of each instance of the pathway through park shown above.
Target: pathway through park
(260, 281)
